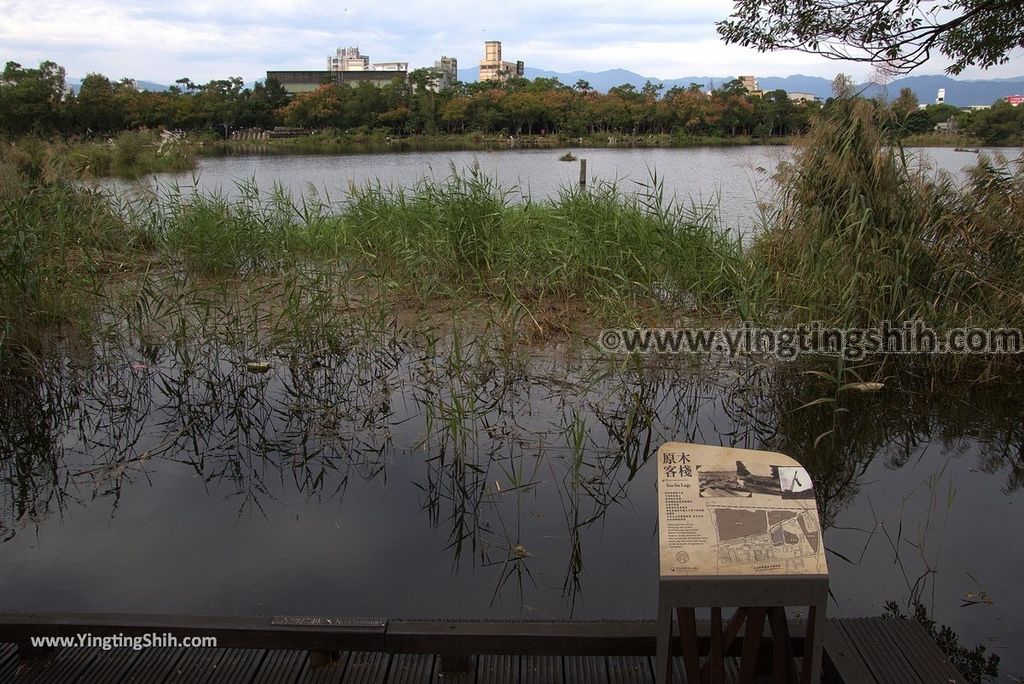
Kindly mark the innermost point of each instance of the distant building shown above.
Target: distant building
(348, 59)
(940, 98)
(493, 69)
(1015, 100)
(308, 81)
(750, 83)
(976, 108)
(802, 97)
(447, 69)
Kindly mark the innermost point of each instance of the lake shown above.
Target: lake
(736, 179)
(425, 476)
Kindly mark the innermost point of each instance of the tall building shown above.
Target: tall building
(448, 72)
(750, 83)
(940, 98)
(348, 59)
(493, 69)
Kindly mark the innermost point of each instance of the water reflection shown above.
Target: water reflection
(530, 471)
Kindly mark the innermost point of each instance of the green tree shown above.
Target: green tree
(32, 99)
(905, 104)
(899, 34)
(98, 107)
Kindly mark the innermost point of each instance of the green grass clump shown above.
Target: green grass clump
(130, 154)
(589, 244)
(57, 238)
(860, 235)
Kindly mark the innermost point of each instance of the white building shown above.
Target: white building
(348, 59)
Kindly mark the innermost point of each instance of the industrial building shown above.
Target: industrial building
(447, 69)
(347, 66)
(308, 81)
(493, 69)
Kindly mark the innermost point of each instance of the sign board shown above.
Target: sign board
(725, 511)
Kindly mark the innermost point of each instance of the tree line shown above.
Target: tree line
(38, 101)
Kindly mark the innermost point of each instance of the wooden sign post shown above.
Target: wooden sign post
(737, 528)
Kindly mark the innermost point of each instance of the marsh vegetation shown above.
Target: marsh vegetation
(281, 348)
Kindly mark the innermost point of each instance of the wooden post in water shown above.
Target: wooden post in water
(583, 173)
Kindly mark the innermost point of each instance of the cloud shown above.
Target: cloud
(207, 39)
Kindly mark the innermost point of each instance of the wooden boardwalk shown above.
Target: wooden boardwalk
(257, 666)
(856, 650)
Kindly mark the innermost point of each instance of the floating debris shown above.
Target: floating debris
(257, 366)
(866, 386)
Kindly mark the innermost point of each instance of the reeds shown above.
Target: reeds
(861, 235)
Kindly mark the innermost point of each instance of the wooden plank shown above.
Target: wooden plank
(604, 638)
(629, 670)
(110, 666)
(237, 666)
(883, 659)
(280, 666)
(306, 633)
(8, 666)
(585, 669)
(466, 677)
(195, 665)
(921, 650)
(538, 669)
(64, 666)
(497, 669)
(841, 660)
(154, 664)
(366, 668)
(411, 668)
(521, 638)
(755, 630)
(324, 668)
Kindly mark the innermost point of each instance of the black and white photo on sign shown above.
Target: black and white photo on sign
(796, 483)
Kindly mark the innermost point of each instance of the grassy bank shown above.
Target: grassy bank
(338, 142)
(940, 140)
(857, 237)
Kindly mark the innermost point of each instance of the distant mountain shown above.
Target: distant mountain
(75, 83)
(961, 93)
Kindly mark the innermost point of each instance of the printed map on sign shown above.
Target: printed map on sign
(725, 511)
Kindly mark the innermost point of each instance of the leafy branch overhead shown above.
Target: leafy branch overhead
(899, 35)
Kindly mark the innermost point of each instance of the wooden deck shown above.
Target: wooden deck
(859, 650)
(257, 666)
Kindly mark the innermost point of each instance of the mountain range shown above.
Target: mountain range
(961, 93)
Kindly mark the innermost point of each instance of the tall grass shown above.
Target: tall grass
(129, 154)
(861, 235)
(592, 245)
(57, 240)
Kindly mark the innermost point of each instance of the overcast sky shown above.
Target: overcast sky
(206, 39)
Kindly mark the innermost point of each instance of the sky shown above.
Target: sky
(208, 39)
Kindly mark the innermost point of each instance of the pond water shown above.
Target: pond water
(402, 477)
(736, 179)
(400, 480)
